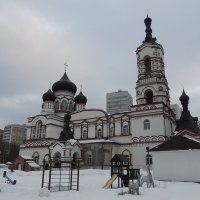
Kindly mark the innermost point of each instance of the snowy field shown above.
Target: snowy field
(28, 187)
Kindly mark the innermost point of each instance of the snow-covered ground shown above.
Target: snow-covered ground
(28, 187)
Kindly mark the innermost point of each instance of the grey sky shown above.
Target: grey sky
(98, 40)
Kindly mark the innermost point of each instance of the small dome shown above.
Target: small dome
(80, 98)
(49, 96)
(147, 20)
(64, 84)
(184, 97)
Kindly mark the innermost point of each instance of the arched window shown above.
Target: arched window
(33, 132)
(85, 134)
(57, 105)
(99, 133)
(64, 105)
(127, 154)
(43, 131)
(39, 129)
(146, 124)
(149, 159)
(89, 158)
(57, 157)
(35, 157)
(147, 64)
(125, 130)
(112, 131)
(70, 106)
(149, 96)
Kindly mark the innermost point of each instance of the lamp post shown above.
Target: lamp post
(148, 158)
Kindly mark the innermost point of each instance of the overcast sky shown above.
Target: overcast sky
(98, 39)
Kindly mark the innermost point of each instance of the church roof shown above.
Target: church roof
(48, 96)
(80, 98)
(64, 84)
(119, 158)
(148, 38)
(178, 143)
(186, 121)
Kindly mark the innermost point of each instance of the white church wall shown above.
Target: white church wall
(156, 126)
(139, 154)
(53, 131)
(180, 165)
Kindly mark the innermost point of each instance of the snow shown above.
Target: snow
(26, 157)
(91, 187)
(33, 164)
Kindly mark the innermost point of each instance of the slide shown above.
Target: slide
(110, 181)
(8, 179)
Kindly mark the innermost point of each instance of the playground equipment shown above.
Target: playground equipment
(8, 179)
(120, 168)
(110, 181)
(63, 174)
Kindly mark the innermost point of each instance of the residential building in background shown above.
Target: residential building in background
(119, 101)
(14, 133)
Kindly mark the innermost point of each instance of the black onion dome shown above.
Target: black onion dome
(64, 84)
(184, 97)
(49, 96)
(80, 98)
(147, 20)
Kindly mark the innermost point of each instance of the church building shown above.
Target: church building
(67, 128)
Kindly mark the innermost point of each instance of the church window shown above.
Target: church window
(57, 105)
(33, 133)
(112, 131)
(149, 96)
(70, 106)
(125, 130)
(149, 159)
(85, 134)
(89, 159)
(39, 129)
(99, 133)
(57, 157)
(36, 157)
(146, 124)
(147, 64)
(64, 105)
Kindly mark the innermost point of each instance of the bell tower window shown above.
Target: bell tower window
(147, 63)
(149, 96)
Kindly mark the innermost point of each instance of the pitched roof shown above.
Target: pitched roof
(119, 158)
(178, 143)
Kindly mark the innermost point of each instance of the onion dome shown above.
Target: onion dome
(184, 97)
(49, 96)
(64, 84)
(148, 38)
(80, 98)
(147, 20)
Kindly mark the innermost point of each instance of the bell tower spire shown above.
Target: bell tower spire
(152, 85)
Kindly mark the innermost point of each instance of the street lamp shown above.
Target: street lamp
(148, 157)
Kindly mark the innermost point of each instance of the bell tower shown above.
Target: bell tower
(152, 85)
